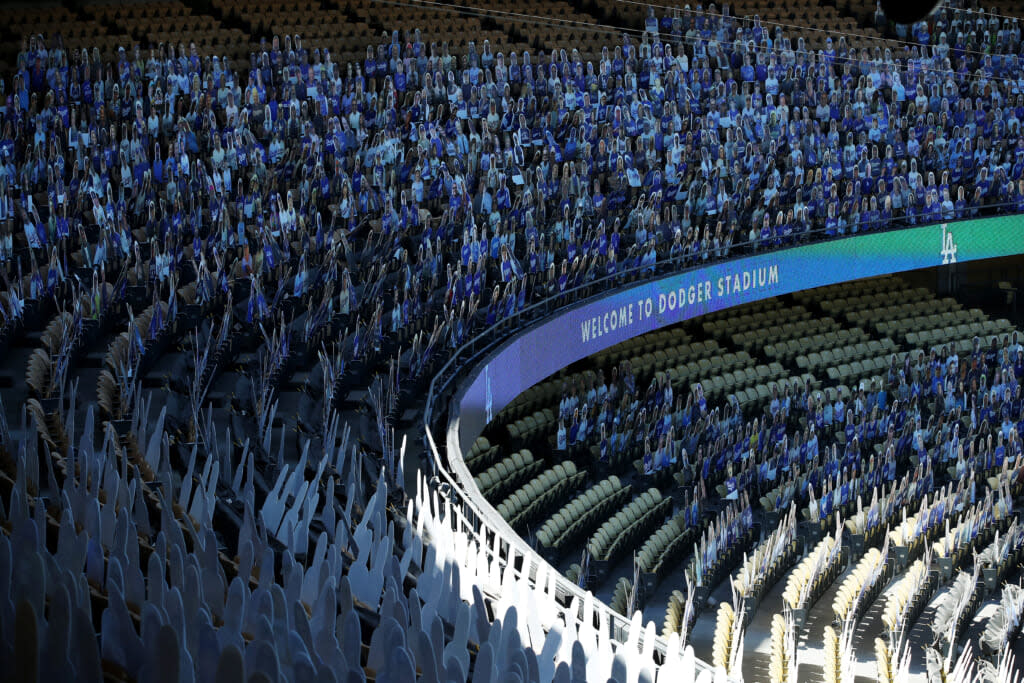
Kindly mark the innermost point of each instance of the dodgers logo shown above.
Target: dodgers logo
(949, 247)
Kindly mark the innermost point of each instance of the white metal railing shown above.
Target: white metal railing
(482, 523)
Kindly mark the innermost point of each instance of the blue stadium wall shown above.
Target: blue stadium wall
(546, 347)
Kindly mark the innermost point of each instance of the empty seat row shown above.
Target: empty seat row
(848, 353)
(959, 333)
(697, 370)
(760, 395)
(903, 596)
(621, 596)
(726, 638)
(659, 546)
(537, 495)
(858, 302)
(639, 345)
(580, 515)
(783, 331)
(871, 369)
(900, 328)
(813, 574)
(481, 455)
(744, 322)
(679, 614)
(619, 532)
(732, 382)
(857, 588)
(782, 662)
(532, 426)
(498, 479)
(807, 344)
(752, 308)
(540, 396)
(707, 352)
(885, 311)
(882, 285)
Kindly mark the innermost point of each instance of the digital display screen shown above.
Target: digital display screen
(597, 324)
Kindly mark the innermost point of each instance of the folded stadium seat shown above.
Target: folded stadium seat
(690, 371)
(717, 364)
(762, 373)
(845, 372)
(742, 397)
(710, 390)
(729, 362)
(857, 370)
(740, 394)
(728, 382)
(504, 470)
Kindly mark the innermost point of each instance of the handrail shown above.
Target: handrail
(479, 517)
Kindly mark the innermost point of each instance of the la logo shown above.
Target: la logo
(949, 247)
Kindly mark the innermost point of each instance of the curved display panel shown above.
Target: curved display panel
(598, 324)
(554, 343)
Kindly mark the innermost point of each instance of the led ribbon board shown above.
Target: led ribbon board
(619, 315)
